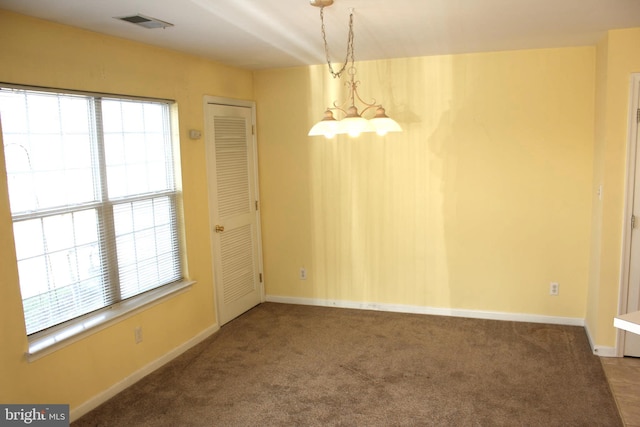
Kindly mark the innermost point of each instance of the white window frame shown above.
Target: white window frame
(46, 341)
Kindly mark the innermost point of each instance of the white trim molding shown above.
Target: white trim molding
(437, 311)
(627, 227)
(107, 394)
(599, 350)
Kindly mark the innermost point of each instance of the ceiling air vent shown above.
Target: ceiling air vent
(145, 21)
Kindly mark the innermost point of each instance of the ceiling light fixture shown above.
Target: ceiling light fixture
(353, 123)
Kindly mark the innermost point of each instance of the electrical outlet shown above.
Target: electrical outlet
(303, 273)
(137, 333)
(554, 288)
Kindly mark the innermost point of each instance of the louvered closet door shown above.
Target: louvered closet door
(233, 203)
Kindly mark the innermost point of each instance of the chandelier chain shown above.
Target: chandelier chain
(350, 54)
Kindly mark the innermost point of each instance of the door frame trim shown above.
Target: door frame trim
(632, 149)
(232, 102)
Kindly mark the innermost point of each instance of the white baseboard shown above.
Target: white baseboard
(600, 350)
(417, 309)
(603, 351)
(107, 394)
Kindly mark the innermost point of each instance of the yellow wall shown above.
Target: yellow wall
(482, 201)
(35, 52)
(618, 56)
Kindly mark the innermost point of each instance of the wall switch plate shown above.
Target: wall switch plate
(554, 288)
(137, 333)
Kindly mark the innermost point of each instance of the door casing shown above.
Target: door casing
(627, 228)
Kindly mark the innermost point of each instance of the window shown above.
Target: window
(93, 200)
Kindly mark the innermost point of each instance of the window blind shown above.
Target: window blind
(93, 200)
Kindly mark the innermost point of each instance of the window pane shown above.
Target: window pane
(146, 245)
(14, 113)
(58, 232)
(137, 147)
(34, 277)
(28, 238)
(62, 268)
(61, 304)
(46, 152)
(43, 113)
(132, 116)
(48, 141)
(114, 149)
(59, 257)
(154, 118)
(75, 115)
(78, 151)
(15, 152)
(85, 227)
(157, 173)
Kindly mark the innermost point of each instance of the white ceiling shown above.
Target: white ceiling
(258, 34)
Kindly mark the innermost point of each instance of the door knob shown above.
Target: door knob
(219, 228)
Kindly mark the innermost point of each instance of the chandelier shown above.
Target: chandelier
(353, 122)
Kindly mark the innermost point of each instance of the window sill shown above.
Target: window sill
(51, 340)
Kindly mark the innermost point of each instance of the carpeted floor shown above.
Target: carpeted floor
(288, 365)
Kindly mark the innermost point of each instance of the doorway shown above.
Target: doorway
(628, 342)
(234, 208)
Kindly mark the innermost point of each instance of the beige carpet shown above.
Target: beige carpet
(289, 365)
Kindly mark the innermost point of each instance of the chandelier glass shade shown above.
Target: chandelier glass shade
(352, 122)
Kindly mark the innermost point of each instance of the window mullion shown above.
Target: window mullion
(105, 213)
